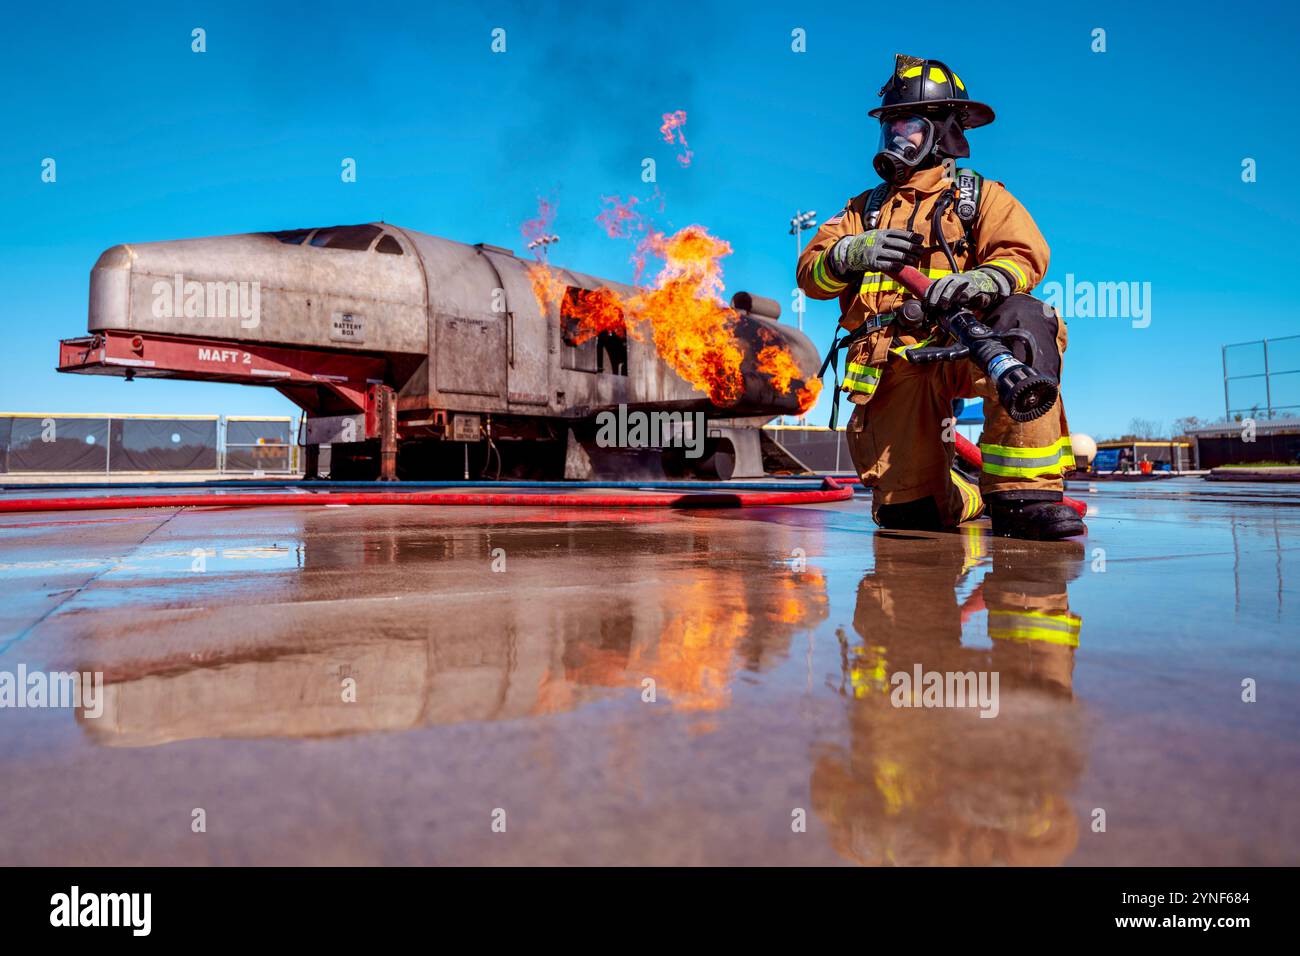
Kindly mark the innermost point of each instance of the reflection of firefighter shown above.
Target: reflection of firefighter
(984, 252)
(944, 786)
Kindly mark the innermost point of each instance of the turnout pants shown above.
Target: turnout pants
(901, 437)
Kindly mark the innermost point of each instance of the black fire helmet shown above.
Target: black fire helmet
(929, 86)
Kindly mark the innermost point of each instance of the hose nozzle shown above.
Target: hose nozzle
(1027, 394)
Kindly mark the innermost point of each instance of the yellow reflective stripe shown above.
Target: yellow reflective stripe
(910, 72)
(861, 378)
(901, 350)
(1025, 625)
(937, 75)
(1022, 280)
(1062, 444)
(971, 502)
(1010, 462)
(972, 546)
(861, 385)
(879, 282)
(824, 280)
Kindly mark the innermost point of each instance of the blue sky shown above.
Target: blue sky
(1130, 160)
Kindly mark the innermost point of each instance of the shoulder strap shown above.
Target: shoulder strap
(967, 206)
(871, 214)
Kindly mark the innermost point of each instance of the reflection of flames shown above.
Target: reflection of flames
(671, 130)
(703, 643)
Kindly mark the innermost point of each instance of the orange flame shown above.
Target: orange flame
(592, 312)
(672, 130)
(780, 368)
(808, 395)
(693, 331)
(548, 287)
(778, 365)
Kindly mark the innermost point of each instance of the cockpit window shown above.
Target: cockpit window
(293, 237)
(389, 245)
(357, 238)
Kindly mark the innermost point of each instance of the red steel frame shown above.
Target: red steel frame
(320, 382)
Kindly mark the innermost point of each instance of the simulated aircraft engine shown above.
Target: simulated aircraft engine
(404, 348)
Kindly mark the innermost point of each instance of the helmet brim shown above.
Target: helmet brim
(973, 114)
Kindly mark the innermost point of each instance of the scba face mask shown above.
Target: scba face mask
(908, 143)
(905, 143)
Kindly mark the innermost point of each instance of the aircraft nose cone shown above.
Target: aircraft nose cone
(115, 257)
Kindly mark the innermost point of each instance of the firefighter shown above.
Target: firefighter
(903, 412)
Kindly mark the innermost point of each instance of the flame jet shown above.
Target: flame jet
(404, 348)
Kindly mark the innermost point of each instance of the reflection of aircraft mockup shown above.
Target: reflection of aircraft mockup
(476, 658)
(406, 350)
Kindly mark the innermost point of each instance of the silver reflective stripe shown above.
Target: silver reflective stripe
(1044, 462)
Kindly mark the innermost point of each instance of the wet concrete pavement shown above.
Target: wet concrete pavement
(500, 662)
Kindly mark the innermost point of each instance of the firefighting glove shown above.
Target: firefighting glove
(876, 250)
(980, 289)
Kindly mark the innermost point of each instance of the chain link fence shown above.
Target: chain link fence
(1261, 379)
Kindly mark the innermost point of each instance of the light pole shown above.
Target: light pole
(543, 242)
(799, 223)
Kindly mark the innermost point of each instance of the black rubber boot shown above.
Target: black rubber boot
(919, 515)
(1033, 515)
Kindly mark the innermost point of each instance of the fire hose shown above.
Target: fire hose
(789, 493)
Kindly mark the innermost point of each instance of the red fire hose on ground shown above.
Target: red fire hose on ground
(829, 491)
